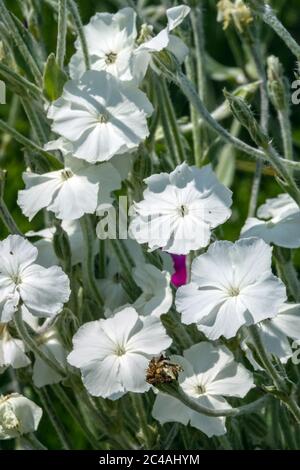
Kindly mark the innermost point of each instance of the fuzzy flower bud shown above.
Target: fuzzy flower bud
(243, 113)
(276, 83)
(62, 247)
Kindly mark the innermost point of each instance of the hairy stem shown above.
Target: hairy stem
(53, 161)
(278, 381)
(176, 391)
(61, 32)
(74, 413)
(79, 27)
(21, 45)
(5, 215)
(55, 421)
(88, 233)
(32, 345)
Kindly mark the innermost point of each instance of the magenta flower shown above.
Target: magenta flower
(180, 275)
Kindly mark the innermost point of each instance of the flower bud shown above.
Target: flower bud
(18, 415)
(243, 113)
(62, 247)
(276, 84)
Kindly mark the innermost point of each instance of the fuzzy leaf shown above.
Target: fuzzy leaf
(53, 80)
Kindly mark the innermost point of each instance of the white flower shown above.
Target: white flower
(41, 291)
(280, 224)
(70, 193)
(156, 297)
(275, 333)
(209, 373)
(164, 39)
(12, 351)
(18, 415)
(231, 285)
(111, 43)
(50, 345)
(113, 354)
(180, 209)
(101, 116)
(112, 46)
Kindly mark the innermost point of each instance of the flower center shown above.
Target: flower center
(183, 210)
(110, 58)
(16, 278)
(102, 118)
(233, 291)
(66, 174)
(200, 389)
(120, 350)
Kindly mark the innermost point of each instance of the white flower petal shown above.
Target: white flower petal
(264, 298)
(176, 15)
(44, 291)
(195, 304)
(133, 372)
(39, 192)
(209, 425)
(167, 409)
(12, 353)
(86, 345)
(151, 339)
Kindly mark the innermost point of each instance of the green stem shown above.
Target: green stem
(89, 258)
(255, 188)
(20, 82)
(139, 406)
(191, 94)
(264, 357)
(172, 322)
(32, 346)
(287, 431)
(264, 113)
(35, 121)
(21, 45)
(169, 122)
(196, 16)
(125, 266)
(268, 16)
(288, 181)
(195, 121)
(278, 381)
(54, 162)
(176, 391)
(34, 442)
(268, 154)
(287, 271)
(57, 425)
(4, 212)
(61, 33)
(286, 133)
(80, 31)
(74, 413)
